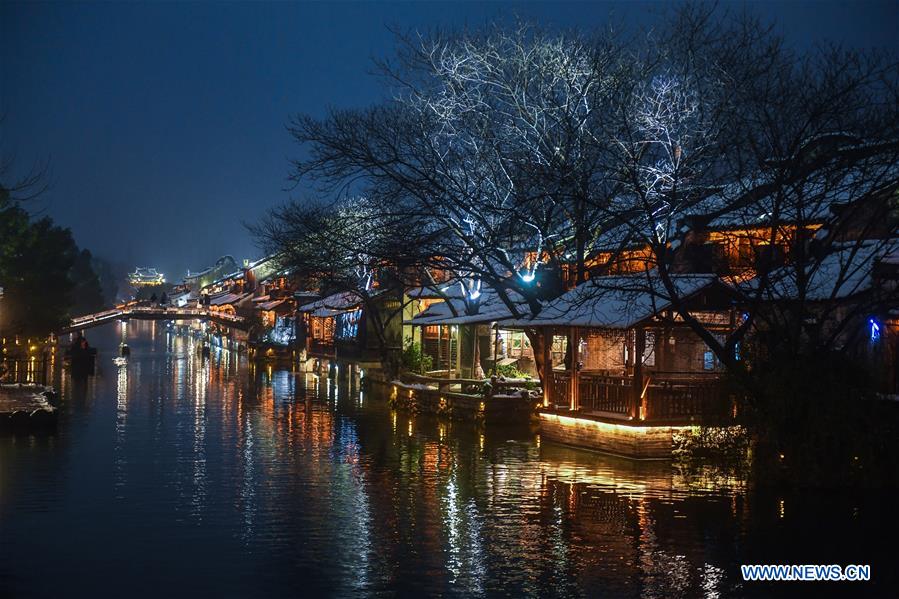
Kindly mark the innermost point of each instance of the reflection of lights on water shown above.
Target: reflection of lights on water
(393, 420)
(452, 522)
(712, 577)
(481, 441)
(410, 427)
(780, 508)
(120, 422)
(201, 385)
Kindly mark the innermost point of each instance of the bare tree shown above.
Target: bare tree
(495, 147)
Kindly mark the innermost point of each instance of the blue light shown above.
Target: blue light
(348, 324)
(875, 329)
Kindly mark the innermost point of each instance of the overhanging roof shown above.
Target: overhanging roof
(615, 302)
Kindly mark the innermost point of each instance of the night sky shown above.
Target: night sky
(163, 124)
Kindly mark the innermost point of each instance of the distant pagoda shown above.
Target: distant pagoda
(146, 277)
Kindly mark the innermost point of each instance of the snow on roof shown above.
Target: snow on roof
(490, 308)
(227, 298)
(614, 302)
(343, 300)
(325, 312)
(254, 263)
(271, 305)
(841, 274)
(810, 198)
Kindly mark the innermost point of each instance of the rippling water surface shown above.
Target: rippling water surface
(171, 475)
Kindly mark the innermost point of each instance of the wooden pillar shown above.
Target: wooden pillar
(547, 366)
(459, 349)
(573, 339)
(639, 349)
(475, 354)
(449, 350)
(495, 347)
(438, 365)
(663, 352)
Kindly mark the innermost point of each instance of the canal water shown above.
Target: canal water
(175, 476)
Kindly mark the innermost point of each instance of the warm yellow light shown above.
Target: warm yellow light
(609, 426)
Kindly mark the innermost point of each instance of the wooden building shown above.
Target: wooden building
(468, 339)
(620, 355)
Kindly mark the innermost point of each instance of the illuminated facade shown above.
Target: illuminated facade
(222, 267)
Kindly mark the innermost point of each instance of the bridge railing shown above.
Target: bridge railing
(95, 316)
(154, 310)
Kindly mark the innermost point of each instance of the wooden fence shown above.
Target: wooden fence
(665, 397)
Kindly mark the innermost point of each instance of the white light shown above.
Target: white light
(528, 277)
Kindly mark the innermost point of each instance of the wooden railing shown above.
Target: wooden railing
(560, 388)
(603, 393)
(680, 399)
(669, 397)
(26, 370)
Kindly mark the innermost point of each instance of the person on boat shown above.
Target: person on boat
(79, 345)
(82, 355)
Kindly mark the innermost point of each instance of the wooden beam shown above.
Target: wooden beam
(639, 349)
(439, 365)
(574, 341)
(547, 365)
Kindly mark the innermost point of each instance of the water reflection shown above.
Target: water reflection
(121, 414)
(241, 480)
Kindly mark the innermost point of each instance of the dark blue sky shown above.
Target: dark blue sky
(163, 123)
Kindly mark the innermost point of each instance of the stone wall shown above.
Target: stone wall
(637, 442)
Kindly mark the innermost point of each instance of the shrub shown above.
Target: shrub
(414, 359)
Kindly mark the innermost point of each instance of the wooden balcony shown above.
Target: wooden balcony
(665, 398)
